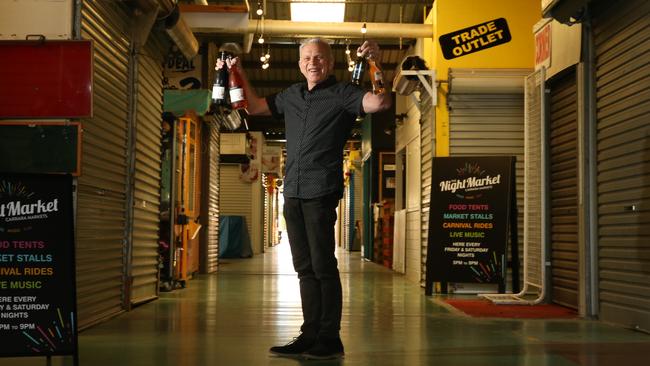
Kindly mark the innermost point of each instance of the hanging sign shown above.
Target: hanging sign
(37, 267)
(468, 219)
(475, 38)
(543, 47)
(271, 157)
(181, 73)
(46, 79)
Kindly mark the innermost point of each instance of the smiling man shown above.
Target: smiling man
(318, 116)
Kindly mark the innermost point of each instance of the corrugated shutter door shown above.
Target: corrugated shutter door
(146, 210)
(427, 150)
(622, 39)
(413, 247)
(358, 207)
(235, 196)
(490, 123)
(268, 211)
(564, 191)
(210, 257)
(347, 196)
(102, 186)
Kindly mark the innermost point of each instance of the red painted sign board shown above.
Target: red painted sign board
(543, 47)
(46, 79)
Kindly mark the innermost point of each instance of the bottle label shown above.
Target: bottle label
(218, 92)
(236, 95)
(379, 78)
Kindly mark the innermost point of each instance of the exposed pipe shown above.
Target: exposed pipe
(181, 34)
(301, 29)
(167, 6)
(347, 29)
(235, 20)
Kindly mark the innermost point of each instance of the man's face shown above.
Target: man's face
(315, 63)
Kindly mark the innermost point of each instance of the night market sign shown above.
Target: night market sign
(37, 267)
(469, 219)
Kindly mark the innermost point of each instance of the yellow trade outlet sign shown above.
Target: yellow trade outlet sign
(475, 38)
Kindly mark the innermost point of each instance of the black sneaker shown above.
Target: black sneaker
(325, 349)
(294, 348)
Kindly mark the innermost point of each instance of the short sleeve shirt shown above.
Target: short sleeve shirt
(317, 126)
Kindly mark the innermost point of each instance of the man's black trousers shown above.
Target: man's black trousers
(310, 225)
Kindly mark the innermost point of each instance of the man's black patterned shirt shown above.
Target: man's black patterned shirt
(317, 126)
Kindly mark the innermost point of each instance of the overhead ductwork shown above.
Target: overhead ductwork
(175, 25)
(347, 29)
(235, 20)
(181, 34)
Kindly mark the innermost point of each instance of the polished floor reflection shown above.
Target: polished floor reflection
(233, 317)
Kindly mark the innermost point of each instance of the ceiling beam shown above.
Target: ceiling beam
(294, 65)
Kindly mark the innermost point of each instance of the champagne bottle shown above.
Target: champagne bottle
(220, 83)
(376, 77)
(358, 71)
(236, 89)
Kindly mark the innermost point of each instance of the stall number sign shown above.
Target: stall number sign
(475, 38)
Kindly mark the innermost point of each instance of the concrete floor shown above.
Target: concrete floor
(233, 317)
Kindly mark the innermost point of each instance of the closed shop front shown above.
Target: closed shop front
(486, 118)
(564, 189)
(101, 197)
(210, 204)
(621, 32)
(234, 195)
(146, 189)
(427, 151)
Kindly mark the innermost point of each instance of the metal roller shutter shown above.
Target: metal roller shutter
(358, 207)
(235, 196)
(348, 213)
(146, 205)
(486, 118)
(413, 248)
(101, 205)
(267, 213)
(427, 151)
(564, 190)
(210, 242)
(621, 31)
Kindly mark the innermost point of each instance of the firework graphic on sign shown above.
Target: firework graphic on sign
(17, 190)
(469, 170)
(54, 337)
(486, 272)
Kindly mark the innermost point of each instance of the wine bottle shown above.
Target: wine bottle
(220, 83)
(236, 89)
(376, 77)
(358, 71)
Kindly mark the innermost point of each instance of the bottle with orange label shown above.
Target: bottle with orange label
(376, 77)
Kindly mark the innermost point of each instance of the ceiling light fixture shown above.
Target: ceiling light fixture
(260, 9)
(317, 11)
(265, 57)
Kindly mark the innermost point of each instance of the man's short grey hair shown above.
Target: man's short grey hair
(318, 40)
